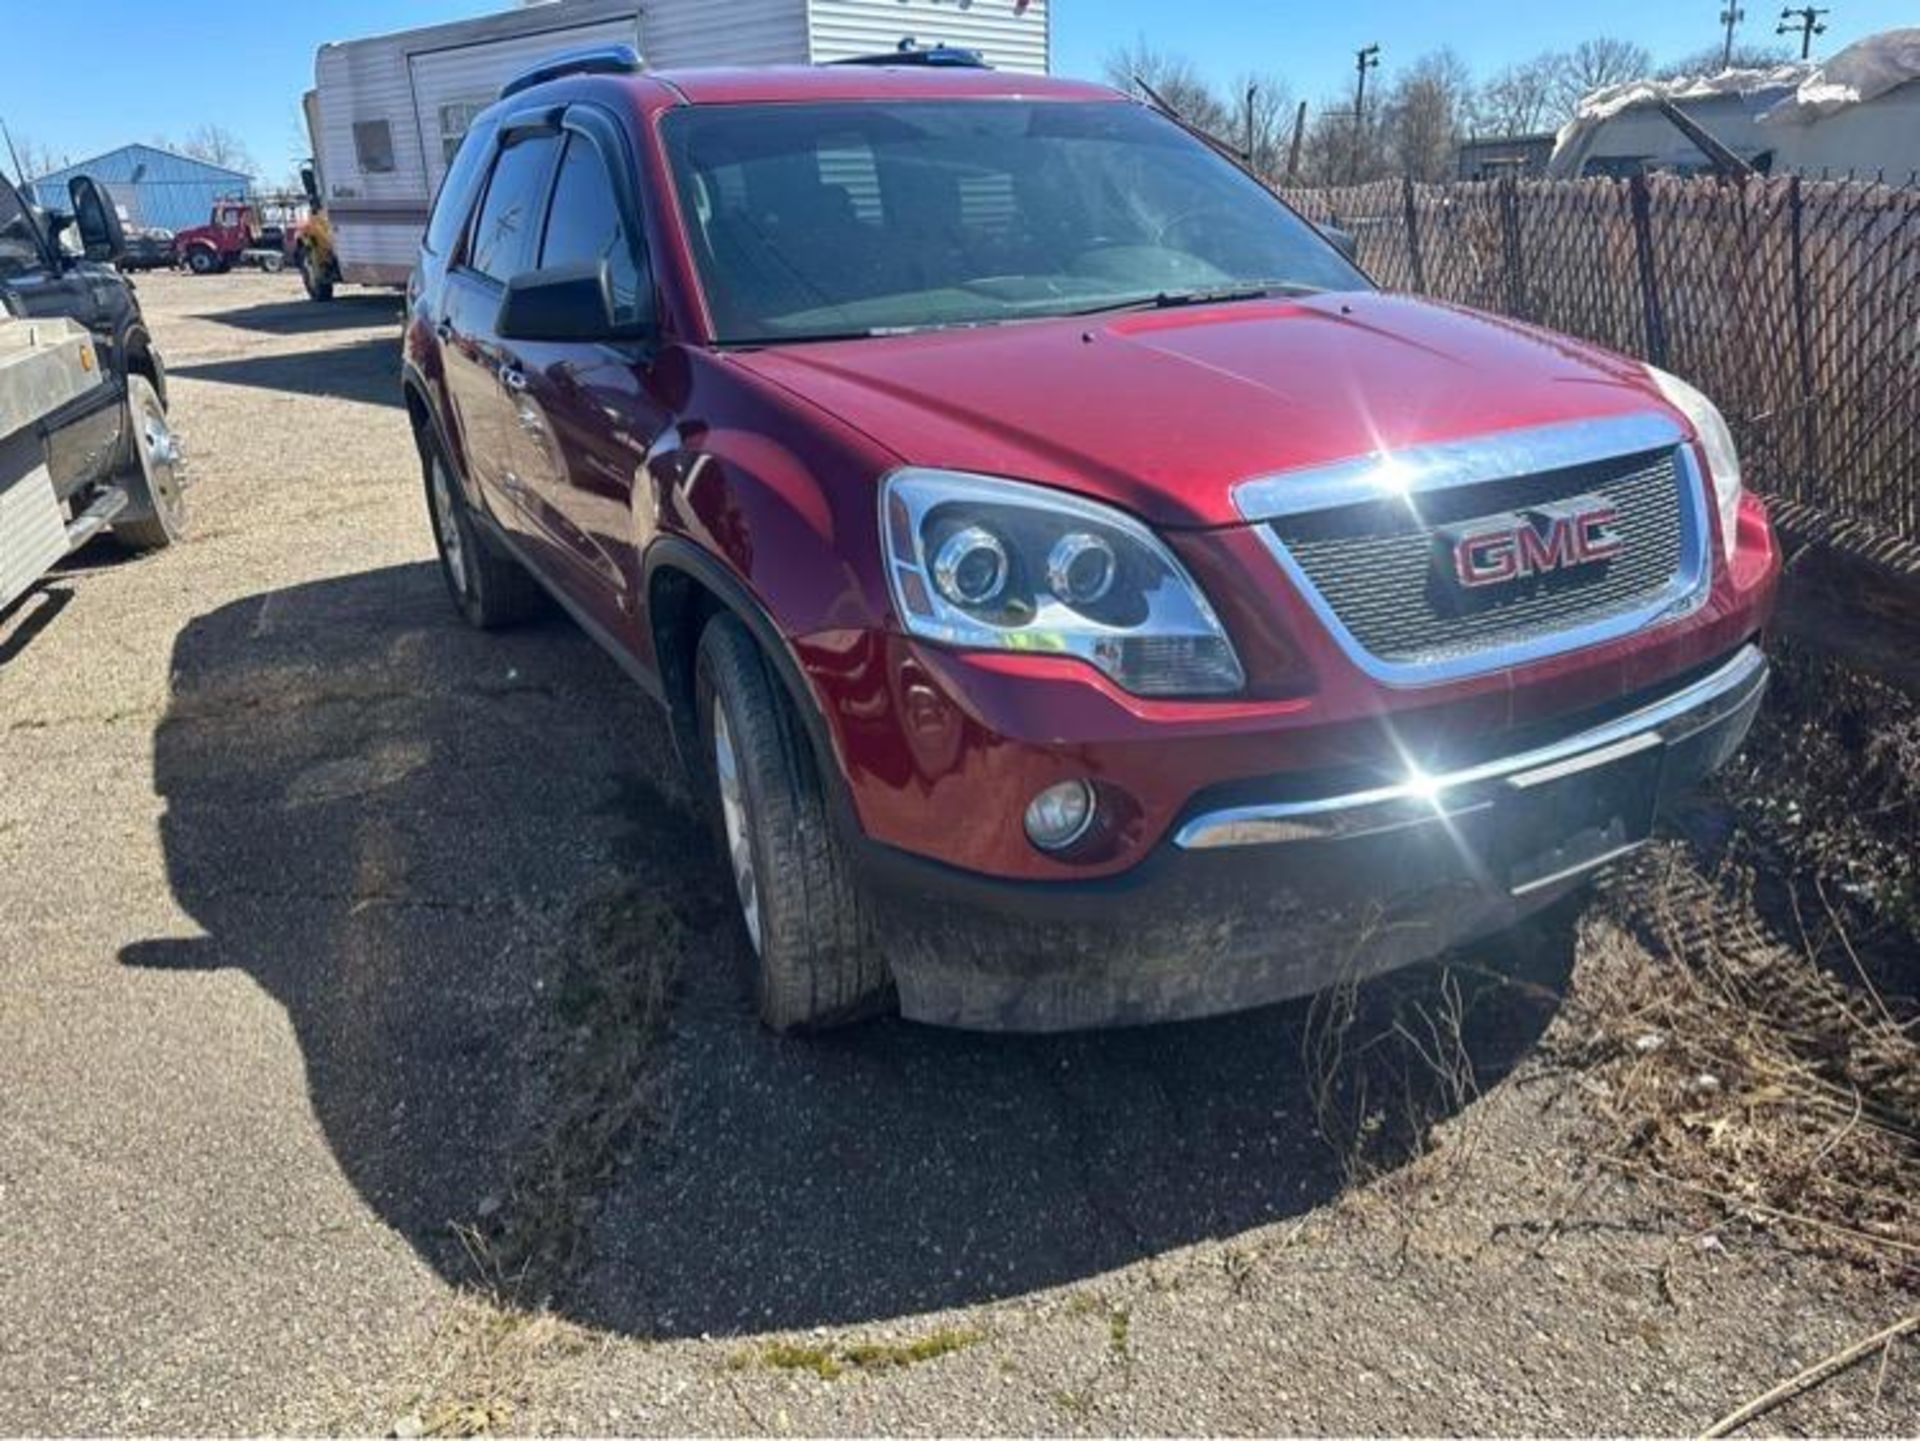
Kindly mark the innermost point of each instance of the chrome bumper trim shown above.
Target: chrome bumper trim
(1418, 800)
(1441, 465)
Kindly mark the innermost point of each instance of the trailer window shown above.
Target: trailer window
(508, 230)
(373, 146)
(456, 119)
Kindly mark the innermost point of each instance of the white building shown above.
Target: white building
(386, 113)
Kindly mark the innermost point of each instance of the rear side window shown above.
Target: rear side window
(584, 223)
(508, 230)
(450, 211)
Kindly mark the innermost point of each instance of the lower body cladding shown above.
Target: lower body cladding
(1258, 902)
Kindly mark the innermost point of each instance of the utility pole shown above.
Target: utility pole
(1252, 90)
(1730, 17)
(1366, 58)
(1808, 24)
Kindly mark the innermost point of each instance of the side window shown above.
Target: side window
(508, 230)
(19, 243)
(455, 201)
(584, 224)
(373, 146)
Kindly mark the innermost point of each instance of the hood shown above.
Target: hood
(1162, 412)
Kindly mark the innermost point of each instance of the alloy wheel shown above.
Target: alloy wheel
(733, 810)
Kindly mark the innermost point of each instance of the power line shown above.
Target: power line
(1808, 23)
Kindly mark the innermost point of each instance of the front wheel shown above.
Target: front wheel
(156, 513)
(814, 962)
(314, 275)
(202, 261)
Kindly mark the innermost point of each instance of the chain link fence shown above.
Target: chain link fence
(1794, 303)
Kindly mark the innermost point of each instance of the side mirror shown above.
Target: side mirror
(101, 234)
(311, 186)
(561, 302)
(1340, 240)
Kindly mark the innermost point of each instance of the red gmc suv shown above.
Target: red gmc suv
(1083, 597)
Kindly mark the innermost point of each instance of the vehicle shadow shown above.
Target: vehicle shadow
(346, 311)
(457, 860)
(362, 370)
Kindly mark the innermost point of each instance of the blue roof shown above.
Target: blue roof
(132, 164)
(150, 186)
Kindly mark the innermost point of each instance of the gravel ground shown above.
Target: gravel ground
(372, 1058)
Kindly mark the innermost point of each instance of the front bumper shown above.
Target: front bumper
(1257, 902)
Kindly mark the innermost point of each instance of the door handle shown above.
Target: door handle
(513, 377)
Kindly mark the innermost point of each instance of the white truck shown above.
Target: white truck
(45, 367)
(387, 113)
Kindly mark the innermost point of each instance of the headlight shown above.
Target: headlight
(1723, 461)
(998, 565)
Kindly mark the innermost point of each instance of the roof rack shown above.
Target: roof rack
(939, 57)
(582, 60)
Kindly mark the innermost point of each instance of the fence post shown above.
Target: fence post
(1513, 255)
(1413, 234)
(1640, 194)
(1809, 421)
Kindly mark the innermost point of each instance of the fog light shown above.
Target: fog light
(1060, 815)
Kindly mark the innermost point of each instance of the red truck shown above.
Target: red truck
(233, 235)
(1082, 597)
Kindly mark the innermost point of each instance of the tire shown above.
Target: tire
(313, 275)
(202, 261)
(814, 963)
(490, 589)
(273, 264)
(156, 513)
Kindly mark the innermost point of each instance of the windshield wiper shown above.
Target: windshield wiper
(1220, 295)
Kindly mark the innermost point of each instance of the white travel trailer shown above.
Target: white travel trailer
(387, 113)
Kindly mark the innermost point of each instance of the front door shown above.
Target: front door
(587, 412)
(483, 377)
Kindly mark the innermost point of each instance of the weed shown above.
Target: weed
(830, 1363)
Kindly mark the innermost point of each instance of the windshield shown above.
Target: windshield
(809, 221)
(19, 241)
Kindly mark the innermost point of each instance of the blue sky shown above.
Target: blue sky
(88, 75)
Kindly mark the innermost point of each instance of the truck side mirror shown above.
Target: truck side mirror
(101, 234)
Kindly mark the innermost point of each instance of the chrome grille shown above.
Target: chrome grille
(1373, 562)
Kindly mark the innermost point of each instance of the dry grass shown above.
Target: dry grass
(1747, 997)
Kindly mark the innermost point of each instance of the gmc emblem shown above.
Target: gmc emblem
(1559, 535)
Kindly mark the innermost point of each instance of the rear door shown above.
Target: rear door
(483, 383)
(588, 412)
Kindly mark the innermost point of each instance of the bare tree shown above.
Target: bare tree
(37, 159)
(1520, 99)
(1426, 115)
(1707, 61)
(218, 145)
(1334, 154)
(1175, 79)
(1594, 65)
(1267, 140)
